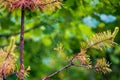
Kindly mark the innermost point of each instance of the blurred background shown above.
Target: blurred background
(68, 26)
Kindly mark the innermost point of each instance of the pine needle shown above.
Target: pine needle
(100, 40)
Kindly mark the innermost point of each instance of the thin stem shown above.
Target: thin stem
(4, 78)
(25, 31)
(22, 45)
(98, 43)
(65, 67)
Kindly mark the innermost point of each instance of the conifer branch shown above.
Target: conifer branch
(84, 60)
(101, 40)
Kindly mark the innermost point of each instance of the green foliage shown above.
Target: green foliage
(64, 26)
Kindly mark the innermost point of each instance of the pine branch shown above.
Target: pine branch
(84, 59)
(100, 40)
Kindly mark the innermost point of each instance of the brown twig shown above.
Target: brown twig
(21, 73)
(65, 67)
(17, 33)
(72, 60)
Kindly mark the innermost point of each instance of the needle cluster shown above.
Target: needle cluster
(8, 59)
